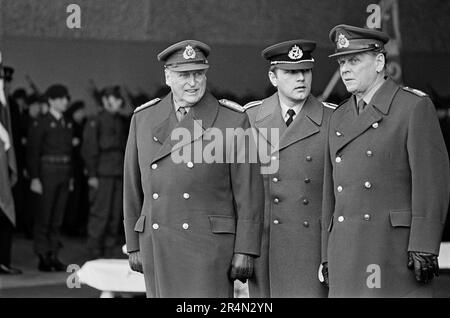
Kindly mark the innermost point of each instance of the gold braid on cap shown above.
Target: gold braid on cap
(290, 62)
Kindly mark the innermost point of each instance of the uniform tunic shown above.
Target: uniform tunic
(188, 218)
(386, 192)
(290, 254)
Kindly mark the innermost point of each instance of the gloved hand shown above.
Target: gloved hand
(325, 274)
(425, 266)
(135, 261)
(241, 267)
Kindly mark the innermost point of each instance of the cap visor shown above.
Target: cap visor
(188, 67)
(351, 52)
(295, 66)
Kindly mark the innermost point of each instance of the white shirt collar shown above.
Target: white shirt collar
(55, 114)
(284, 110)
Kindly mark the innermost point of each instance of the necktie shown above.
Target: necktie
(181, 113)
(291, 114)
(361, 105)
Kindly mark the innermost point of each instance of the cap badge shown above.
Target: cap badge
(342, 41)
(189, 53)
(295, 53)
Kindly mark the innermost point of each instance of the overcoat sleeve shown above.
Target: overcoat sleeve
(248, 192)
(132, 190)
(328, 200)
(430, 174)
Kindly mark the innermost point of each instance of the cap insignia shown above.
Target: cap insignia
(189, 53)
(295, 53)
(342, 41)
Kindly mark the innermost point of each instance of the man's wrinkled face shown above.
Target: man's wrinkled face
(359, 71)
(292, 85)
(187, 87)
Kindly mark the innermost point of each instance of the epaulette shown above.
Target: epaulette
(147, 104)
(415, 91)
(232, 105)
(330, 105)
(253, 104)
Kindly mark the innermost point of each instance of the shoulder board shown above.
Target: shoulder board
(330, 105)
(147, 104)
(415, 91)
(253, 104)
(232, 105)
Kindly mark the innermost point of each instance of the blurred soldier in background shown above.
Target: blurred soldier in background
(49, 155)
(75, 220)
(103, 149)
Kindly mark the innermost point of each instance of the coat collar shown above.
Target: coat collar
(351, 125)
(201, 117)
(306, 123)
(382, 99)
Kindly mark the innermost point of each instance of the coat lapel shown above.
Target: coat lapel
(269, 117)
(352, 126)
(197, 121)
(306, 123)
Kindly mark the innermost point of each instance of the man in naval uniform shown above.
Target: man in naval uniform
(290, 254)
(192, 227)
(386, 184)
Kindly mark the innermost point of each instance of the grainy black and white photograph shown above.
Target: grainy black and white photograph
(242, 151)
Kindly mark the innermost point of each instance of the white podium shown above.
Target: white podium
(111, 276)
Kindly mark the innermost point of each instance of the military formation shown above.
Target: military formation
(355, 206)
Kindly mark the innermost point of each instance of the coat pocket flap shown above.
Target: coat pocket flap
(401, 218)
(140, 224)
(222, 224)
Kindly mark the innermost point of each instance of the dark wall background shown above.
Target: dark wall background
(118, 40)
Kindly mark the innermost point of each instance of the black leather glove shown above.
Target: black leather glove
(135, 261)
(425, 266)
(325, 274)
(241, 267)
